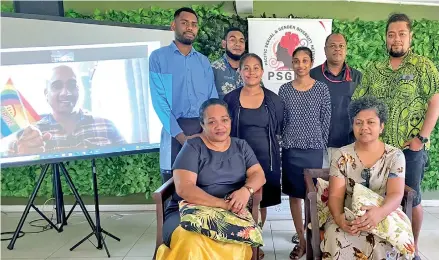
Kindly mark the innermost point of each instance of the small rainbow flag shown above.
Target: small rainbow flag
(16, 112)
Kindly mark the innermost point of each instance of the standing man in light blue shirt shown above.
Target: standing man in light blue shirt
(225, 69)
(181, 79)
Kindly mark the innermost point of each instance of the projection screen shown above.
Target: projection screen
(55, 68)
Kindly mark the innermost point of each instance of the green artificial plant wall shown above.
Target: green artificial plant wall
(125, 175)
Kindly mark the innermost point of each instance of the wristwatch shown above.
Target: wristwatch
(423, 140)
(250, 189)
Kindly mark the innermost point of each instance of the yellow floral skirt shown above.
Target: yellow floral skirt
(186, 245)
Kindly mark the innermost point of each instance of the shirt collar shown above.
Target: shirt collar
(326, 70)
(408, 59)
(174, 48)
(226, 61)
(345, 71)
(49, 119)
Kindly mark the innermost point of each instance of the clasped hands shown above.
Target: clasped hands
(367, 222)
(237, 201)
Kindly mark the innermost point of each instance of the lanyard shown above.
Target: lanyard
(347, 76)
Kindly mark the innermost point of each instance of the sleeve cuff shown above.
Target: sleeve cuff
(175, 128)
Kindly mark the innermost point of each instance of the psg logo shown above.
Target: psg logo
(279, 48)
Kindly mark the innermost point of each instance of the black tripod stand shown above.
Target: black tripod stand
(59, 202)
(97, 230)
(60, 212)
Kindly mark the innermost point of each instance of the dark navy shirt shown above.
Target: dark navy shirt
(218, 173)
(341, 88)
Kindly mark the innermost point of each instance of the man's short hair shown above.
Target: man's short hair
(329, 36)
(185, 9)
(399, 18)
(232, 29)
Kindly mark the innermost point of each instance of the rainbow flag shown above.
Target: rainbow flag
(16, 112)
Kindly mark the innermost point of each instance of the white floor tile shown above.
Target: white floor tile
(145, 246)
(282, 242)
(283, 225)
(138, 231)
(432, 209)
(268, 241)
(423, 257)
(428, 241)
(136, 258)
(430, 222)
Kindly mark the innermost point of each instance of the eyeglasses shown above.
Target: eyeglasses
(365, 174)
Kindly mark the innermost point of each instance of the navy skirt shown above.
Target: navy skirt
(294, 161)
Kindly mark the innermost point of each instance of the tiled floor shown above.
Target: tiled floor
(137, 232)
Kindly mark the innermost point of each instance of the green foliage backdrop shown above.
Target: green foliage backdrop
(124, 175)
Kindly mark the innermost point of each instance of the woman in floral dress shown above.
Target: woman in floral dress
(377, 166)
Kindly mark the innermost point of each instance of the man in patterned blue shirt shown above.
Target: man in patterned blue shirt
(181, 79)
(225, 69)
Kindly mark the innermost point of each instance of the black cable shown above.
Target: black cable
(37, 226)
(22, 233)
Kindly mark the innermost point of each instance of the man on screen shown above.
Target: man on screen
(66, 128)
(181, 79)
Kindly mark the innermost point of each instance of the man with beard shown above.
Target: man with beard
(342, 81)
(409, 85)
(181, 79)
(225, 69)
(66, 128)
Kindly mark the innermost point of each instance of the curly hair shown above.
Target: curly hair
(369, 102)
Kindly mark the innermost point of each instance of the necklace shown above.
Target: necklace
(347, 75)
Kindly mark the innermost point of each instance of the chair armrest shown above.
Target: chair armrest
(409, 195)
(257, 197)
(309, 184)
(164, 192)
(313, 216)
(409, 191)
(311, 207)
(160, 196)
(317, 173)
